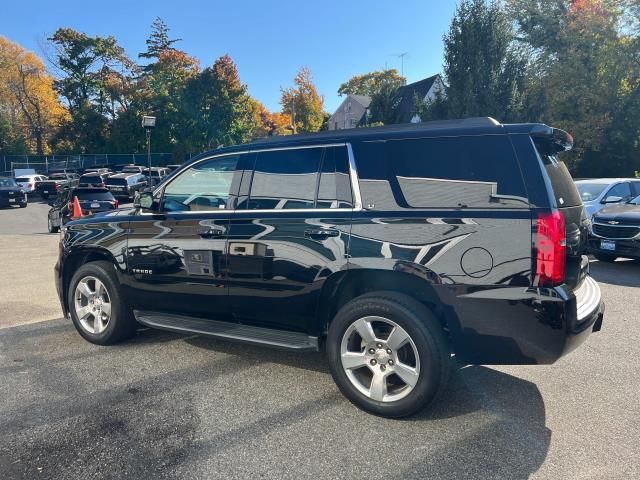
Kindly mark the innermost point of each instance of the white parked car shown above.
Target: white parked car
(28, 182)
(596, 193)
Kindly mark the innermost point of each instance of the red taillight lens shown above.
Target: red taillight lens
(116, 204)
(30, 185)
(56, 186)
(552, 249)
(102, 185)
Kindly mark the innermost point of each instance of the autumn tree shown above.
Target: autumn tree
(29, 105)
(303, 103)
(372, 82)
(587, 77)
(217, 107)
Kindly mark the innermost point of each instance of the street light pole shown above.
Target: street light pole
(148, 123)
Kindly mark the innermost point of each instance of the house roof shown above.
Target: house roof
(363, 100)
(407, 95)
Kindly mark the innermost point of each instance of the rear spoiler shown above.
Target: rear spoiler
(560, 140)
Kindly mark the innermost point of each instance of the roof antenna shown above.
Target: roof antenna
(401, 57)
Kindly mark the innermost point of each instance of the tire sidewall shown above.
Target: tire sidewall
(111, 332)
(430, 361)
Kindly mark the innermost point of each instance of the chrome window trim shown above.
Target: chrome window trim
(353, 176)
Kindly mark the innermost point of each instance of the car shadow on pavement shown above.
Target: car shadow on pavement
(625, 273)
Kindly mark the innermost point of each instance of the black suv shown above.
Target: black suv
(390, 248)
(126, 185)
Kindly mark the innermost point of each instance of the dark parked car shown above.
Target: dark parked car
(94, 179)
(57, 181)
(92, 200)
(615, 232)
(389, 248)
(11, 193)
(126, 185)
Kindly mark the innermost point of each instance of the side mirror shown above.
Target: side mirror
(612, 199)
(144, 200)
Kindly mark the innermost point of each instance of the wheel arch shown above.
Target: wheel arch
(341, 287)
(78, 257)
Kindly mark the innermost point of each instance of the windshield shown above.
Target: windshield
(131, 170)
(23, 180)
(91, 179)
(590, 191)
(7, 182)
(100, 195)
(117, 181)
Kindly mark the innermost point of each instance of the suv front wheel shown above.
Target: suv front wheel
(97, 309)
(388, 354)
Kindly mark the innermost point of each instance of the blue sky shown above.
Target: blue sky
(269, 41)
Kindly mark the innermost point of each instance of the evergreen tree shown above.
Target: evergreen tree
(158, 40)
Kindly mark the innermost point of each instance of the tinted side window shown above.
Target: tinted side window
(621, 190)
(205, 186)
(334, 189)
(479, 171)
(285, 179)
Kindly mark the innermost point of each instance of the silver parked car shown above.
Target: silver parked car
(596, 193)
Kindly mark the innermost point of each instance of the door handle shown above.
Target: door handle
(320, 233)
(211, 234)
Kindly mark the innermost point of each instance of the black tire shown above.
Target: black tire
(427, 336)
(23, 205)
(603, 257)
(122, 324)
(50, 226)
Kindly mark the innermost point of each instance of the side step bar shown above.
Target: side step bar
(300, 342)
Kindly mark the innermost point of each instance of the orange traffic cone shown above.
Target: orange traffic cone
(77, 211)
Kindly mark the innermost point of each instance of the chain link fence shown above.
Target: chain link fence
(45, 164)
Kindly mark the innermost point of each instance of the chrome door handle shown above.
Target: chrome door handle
(320, 233)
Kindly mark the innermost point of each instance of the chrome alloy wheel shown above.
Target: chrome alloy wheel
(92, 305)
(380, 359)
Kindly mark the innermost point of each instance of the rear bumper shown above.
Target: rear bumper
(520, 325)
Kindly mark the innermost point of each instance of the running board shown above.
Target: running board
(229, 331)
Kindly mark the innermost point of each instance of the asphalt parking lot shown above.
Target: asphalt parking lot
(170, 406)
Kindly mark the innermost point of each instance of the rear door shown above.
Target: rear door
(288, 235)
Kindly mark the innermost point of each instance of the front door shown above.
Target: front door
(176, 260)
(288, 235)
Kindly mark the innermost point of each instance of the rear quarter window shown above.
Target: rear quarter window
(446, 172)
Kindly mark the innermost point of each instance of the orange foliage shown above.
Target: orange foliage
(27, 95)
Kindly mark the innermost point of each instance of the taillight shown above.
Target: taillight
(101, 185)
(30, 185)
(552, 249)
(116, 204)
(56, 186)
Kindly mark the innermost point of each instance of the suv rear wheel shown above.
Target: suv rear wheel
(388, 354)
(96, 307)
